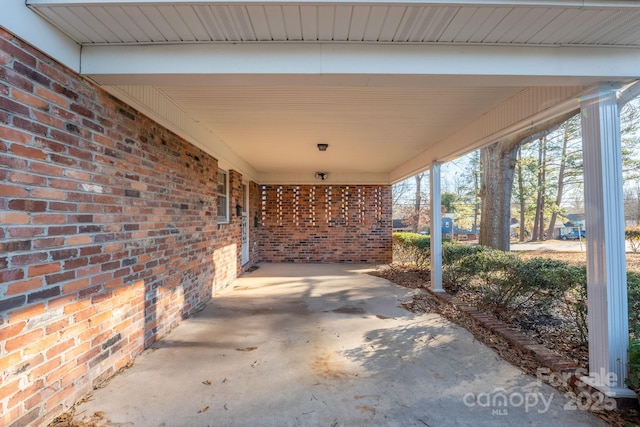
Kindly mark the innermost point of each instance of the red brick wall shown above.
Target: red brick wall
(325, 223)
(108, 234)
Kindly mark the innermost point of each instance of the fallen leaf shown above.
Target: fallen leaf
(205, 409)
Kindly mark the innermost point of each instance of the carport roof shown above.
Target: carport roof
(390, 86)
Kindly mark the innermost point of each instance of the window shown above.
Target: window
(222, 192)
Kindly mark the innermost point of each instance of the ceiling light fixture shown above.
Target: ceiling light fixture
(323, 147)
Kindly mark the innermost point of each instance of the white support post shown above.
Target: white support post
(436, 228)
(606, 262)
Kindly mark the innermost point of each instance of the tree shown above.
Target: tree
(449, 201)
(569, 130)
(498, 165)
(404, 196)
(417, 202)
(538, 221)
(521, 197)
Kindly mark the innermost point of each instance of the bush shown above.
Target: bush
(454, 251)
(496, 272)
(548, 279)
(412, 248)
(633, 296)
(633, 361)
(573, 304)
(507, 282)
(458, 265)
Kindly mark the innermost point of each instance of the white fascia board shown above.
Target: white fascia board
(604, 63)
(458, 3)
(18, 19)
(155, 105)
(525, 110)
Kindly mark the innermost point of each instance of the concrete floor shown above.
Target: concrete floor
(324, 345)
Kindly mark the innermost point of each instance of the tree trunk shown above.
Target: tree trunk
(563, 165)
(521, 192)
(418, 203)
(476, 192)
(498, 165)
(543, 185)
(536, 217)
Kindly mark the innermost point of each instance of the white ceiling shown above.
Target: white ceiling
(274, 121)
(277, 129)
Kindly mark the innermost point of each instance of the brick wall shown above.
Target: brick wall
(108, 234)
(325, 223)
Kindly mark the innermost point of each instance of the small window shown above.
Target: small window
(222, 192)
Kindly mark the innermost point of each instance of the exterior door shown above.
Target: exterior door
(245, 224)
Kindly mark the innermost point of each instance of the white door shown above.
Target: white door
(245, 224)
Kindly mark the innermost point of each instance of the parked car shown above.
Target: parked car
(573, 235)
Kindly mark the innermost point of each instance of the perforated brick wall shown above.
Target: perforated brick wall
(325, 223)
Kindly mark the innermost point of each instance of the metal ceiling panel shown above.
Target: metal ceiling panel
(260, 23)
(359, 20)
(124, 23)
(342, 21)
(292, 23)
(275, 20)
(489, 24)
(309, 22)
(130, 22)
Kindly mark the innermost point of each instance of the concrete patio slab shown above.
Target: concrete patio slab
(325, 345)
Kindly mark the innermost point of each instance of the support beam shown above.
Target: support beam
(606, 263)
(460, 65)
(436, 228)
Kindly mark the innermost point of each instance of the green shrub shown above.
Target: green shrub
(633, 361)
(633, 296)
(573, 304)
(458, 265)
(544, 281)
(411, 248)
(454, 251)
(498, 282)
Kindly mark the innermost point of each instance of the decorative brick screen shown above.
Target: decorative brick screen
(325, 223)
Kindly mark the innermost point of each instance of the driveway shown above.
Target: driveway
(550, 245)
(324, 345)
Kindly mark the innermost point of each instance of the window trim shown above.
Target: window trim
(224, 219)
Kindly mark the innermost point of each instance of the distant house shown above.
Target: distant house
(399, 225)
(575, 221)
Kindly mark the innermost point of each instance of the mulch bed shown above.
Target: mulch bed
(541, 329)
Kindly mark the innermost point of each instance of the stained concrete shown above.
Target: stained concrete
(325, 345)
